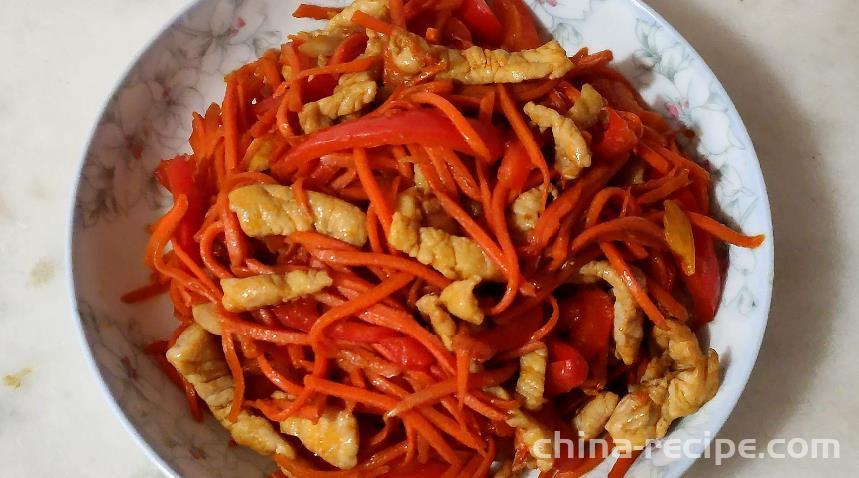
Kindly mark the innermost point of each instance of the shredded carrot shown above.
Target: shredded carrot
(316, 12)
(463, 363)
(525, 136)
(498, 217)
(231, 132)
(633, 228)
(456, 117)
(667, 188)
(238, 375)
(455, 169)
(438, 390)
(276, 378)
(417, 389)
(546, 329)
(722, 232)
(381, 260)
(466, 221)
(667, 301)
(638, 293)
(383, 402)
(487, 106)
(356, 65)
(372, 23)
(368, 181)
(377, 294)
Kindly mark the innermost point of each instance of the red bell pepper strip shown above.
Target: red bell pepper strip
(301, 314)
(567, 368)
(177, 175)
(618, 139)
(355, 331)
(421, 126)
(705, 285)
(318, 87)
(515, 167)
(588, 315)
(406, 351)
(480, 19)
(298, 314)
(511, 335)
(520, 32)
(458, 34)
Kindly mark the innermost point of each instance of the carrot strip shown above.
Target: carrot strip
(499, 219)
(349, 258)
(372, 23)
(316, 12)
(363, 302)
(276, 378)
(377, 199)
(525, 136)
(236, 325)
(466, 221)
(700, 176)
(356, 65)
(590, 62)
(195, 269)
(669, 187)
(438, 419)
(638, 292)
(443, 174)
(723, 232)
(631, 228)
(667, 301)
(474, 141)
(463, 362)
(231, 132)
(350, 46)
(547, 328)
(400, 321)
(489, 458)
(313, 240)
(237, 373)
(164, 230)
(436, 391)
(571, 201)
(652, 158)
(599, 202)
(282, 118)
(383, 402)
(487, 105)
(371, 224)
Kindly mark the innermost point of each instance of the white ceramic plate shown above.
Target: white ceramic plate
(148, 118)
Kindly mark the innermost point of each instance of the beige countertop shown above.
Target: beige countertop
(790, 67)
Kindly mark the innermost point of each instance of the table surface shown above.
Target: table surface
(789, 65)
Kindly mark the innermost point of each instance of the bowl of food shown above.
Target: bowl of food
(408, 238)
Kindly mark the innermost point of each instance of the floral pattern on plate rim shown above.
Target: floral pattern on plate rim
(148, 117)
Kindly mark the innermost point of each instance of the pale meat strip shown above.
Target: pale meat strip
(198, 356)
(251, 293)
(271, 209)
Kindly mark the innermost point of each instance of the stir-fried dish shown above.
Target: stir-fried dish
(422, 239)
